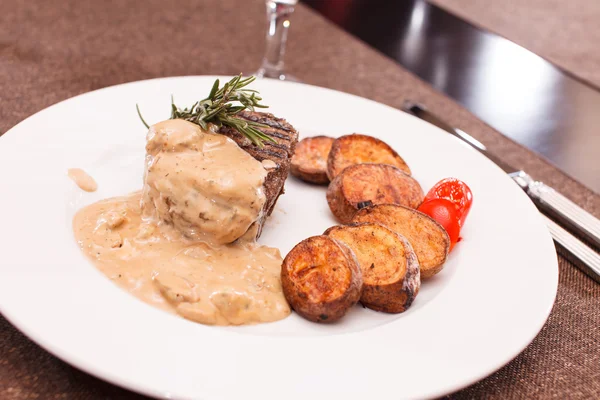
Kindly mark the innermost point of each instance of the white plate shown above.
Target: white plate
(489, 302)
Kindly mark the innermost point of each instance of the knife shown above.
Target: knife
(548, 201)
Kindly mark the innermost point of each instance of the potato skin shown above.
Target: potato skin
(428, 238)
(309, 162)
(321, 279)
(360, 149)
(373, 184)
(391, 273)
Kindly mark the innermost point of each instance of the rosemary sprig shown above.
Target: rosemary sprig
(221, 108)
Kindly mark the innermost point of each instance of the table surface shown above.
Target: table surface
(565, 32)
(53, 51)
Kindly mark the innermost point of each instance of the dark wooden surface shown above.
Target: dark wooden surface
(515, 91)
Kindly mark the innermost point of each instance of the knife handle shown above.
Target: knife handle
(568, 213)
(575, 250)
(554, 204)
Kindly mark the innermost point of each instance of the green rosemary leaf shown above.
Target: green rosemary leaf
(137, 107)
(214, 89)
(203, 124)
(237, 109)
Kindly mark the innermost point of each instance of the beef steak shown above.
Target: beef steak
(279, 152)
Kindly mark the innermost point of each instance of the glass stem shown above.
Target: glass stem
(278, 18)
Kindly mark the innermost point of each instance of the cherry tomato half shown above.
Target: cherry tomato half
(457, 192)
(444, 212)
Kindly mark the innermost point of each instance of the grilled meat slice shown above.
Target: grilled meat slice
(280, 152)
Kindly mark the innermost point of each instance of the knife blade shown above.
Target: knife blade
(549, 202)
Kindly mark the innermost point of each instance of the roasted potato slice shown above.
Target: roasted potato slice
(360, 149)
(390, 268)
(370, 184)
(309, 162)
(427, 237)
(321, 279)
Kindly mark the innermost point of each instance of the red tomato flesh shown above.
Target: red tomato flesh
(455, 191)
(444, 211)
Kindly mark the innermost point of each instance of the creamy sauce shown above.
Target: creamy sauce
(269, 164)
(82, 179)
(217, 285)
(171, 244)
(202, 183)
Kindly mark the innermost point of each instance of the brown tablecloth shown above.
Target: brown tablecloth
(50, 51)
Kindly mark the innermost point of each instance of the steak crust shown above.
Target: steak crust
(279, 152)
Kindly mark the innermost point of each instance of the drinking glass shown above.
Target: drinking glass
(278, 19)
